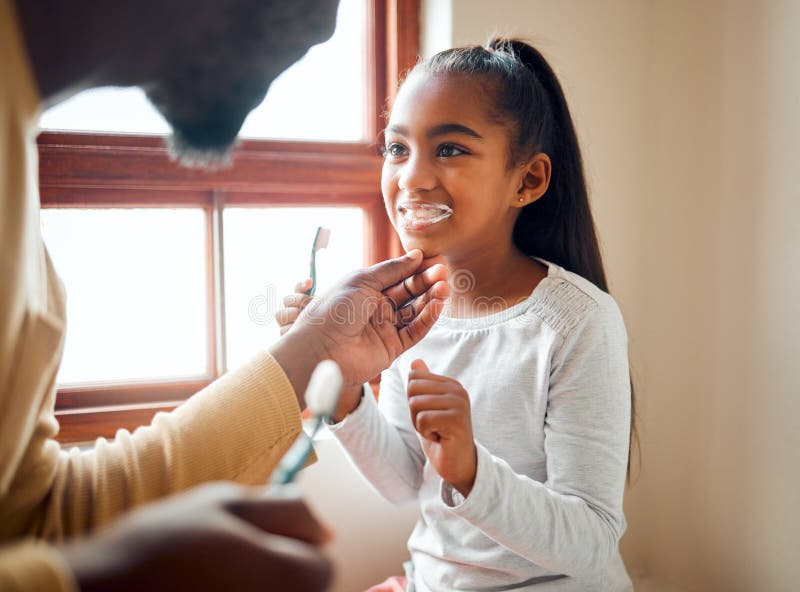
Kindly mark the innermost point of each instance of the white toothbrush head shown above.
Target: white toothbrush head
(323, 236)
(323, 389)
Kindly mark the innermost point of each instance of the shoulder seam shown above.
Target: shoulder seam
(563, 306)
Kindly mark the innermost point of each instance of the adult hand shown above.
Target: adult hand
(216, 537)
(367, 321)
(440, 412)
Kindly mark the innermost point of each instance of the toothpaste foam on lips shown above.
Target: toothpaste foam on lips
(417, 216)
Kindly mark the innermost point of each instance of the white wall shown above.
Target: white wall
(723, 496)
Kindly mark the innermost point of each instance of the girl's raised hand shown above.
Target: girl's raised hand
(440, 412)
(292, 305)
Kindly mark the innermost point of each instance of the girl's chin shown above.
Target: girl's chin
(429, 248)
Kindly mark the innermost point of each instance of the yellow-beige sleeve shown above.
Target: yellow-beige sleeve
(235, 429)
(34, 565)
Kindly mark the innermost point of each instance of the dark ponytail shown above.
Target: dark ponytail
(525, 95)
(559, 226)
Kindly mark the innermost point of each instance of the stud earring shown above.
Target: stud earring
(520, 199)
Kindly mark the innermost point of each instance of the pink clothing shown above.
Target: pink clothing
(393, 584)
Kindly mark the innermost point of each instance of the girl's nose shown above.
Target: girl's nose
(416, 174)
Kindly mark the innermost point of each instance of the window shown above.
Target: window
(149, 291)
(188, 266)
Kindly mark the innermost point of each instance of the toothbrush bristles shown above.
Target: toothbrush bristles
(323, 236)
(323, 388)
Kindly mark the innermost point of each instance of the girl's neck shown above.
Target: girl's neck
(491, 280)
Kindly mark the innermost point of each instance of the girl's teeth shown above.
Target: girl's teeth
(426, 213)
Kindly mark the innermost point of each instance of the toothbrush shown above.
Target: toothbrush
(322, 395)
(320, 242)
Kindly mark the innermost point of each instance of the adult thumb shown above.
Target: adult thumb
(393, 271)
(280, 511)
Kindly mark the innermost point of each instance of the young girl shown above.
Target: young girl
(509, 423)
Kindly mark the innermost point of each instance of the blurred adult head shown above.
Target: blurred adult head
(204, 64)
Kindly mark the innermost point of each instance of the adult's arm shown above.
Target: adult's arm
(235, 429)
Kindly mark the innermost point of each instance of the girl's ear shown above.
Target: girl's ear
(535, 180)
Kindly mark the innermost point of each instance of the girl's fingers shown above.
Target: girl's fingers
(425, 403)
(430, 386)
(419, 370)
(302, 286)
(297, 300)
(438, 397)
(420, 364)
(287, 316)
(433, 425)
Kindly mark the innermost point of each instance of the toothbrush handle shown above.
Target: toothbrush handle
(295, 458)
(312, 272)
(292, 461)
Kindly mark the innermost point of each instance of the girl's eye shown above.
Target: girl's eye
(447, 150)
(394, 150)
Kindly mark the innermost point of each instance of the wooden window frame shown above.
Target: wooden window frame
(93, 170)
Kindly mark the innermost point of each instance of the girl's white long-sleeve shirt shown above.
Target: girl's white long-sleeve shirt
(549, 389)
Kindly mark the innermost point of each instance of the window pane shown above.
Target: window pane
(136, 296)
(267, 252)
(321, 97)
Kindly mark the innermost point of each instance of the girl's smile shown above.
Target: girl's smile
(447, 183)
(418, 216)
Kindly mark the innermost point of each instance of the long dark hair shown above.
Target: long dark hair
(526, 96)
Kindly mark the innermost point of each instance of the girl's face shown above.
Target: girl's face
(447, 184)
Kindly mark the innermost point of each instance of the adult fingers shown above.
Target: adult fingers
(388, 273)
(406, 313)
(287, 564)
(416, 285)
(429, 262)
(424, 318)
(387, 313)
(280, 511)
